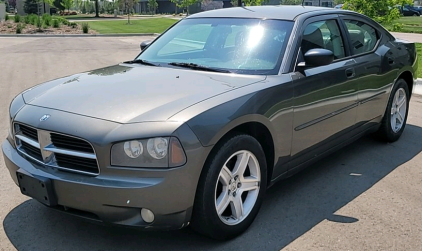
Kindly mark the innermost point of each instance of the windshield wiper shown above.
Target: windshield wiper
(198, 67)
(141, 61)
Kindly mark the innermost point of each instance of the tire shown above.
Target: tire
(395, 117)
(211, 216)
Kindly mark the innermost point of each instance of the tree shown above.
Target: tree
(7, 6)
(381, 11)
(67, 4)
(30, 7)
(96, 9)
(78, 4)
(183, 4)
(152, 6)
(12, 3)
(291, 2)
(58, 5)
(127, 5)
(259, 2)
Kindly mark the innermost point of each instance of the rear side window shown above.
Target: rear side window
(363, 37)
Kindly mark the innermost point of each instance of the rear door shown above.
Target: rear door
(374, 62)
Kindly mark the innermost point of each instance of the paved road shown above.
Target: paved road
(365, 197)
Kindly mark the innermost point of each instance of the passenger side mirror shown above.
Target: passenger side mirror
(145, 44)
(317, 57)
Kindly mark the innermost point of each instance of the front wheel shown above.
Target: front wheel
(231, 188)
(395, 117)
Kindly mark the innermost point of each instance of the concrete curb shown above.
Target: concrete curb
(418, 87)
(81, 35)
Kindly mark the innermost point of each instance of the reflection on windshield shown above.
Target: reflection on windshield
(255, 36)
(248, 46)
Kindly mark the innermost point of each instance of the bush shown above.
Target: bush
(19, 29)
(33, 19)
(73, 25)
(38, 23)
(85, 27)
(17, 18)
(27, 19)
(7, 17)
(65, 21)
(397, 27)
(56, 23)
(46, 18)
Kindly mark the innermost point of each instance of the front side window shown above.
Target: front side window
(363, 37)
(247, 46)
(323, 35)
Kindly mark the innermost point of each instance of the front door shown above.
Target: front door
(325, 97)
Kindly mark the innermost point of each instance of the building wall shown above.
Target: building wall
(165, 6)
(324, 3)
(2, 11)
(21, 11)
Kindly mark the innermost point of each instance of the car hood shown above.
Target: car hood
(133, 93)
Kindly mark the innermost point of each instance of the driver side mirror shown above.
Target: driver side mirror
(317, 57)
(145, 44)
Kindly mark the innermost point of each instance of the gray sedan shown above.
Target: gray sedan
(208, 116)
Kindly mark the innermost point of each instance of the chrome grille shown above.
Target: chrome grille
(64, 152)
(31, 151)
(29, 132)
(75, 144)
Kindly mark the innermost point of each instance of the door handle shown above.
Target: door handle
(390, 61)
(350, 73)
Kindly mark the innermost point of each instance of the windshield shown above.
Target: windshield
(247, 46)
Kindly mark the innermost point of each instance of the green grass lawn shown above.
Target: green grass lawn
(410, 24)
(419, 48)
(150, 25)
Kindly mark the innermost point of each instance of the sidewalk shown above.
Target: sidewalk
(412, 37)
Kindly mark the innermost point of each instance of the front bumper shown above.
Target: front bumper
(115, 200)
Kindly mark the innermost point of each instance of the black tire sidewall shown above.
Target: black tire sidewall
(215, 227)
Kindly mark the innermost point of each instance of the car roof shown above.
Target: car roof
(284, 12)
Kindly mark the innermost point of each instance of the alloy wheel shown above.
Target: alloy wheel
(237, 187)
(398, 110)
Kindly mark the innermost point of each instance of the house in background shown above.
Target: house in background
(42, 7)
(322, 3)
(165, 6)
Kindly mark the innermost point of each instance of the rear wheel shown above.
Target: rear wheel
(231, 188)
(395, 117)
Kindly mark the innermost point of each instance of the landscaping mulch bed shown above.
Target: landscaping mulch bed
(9, 27)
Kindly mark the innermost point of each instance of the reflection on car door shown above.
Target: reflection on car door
(373, 69)
(325, 97)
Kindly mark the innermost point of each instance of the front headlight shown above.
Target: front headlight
(161, 152)
(15, 106)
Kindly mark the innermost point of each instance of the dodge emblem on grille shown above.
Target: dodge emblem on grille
(45, 117)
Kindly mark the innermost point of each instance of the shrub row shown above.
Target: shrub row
(44, 22)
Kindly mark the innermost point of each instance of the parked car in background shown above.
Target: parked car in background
(209, 115)
(418, 8)
(406, 11)
(339, 6)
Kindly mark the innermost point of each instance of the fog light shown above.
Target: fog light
(147, 215)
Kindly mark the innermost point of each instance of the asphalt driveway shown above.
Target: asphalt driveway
(367, 196)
